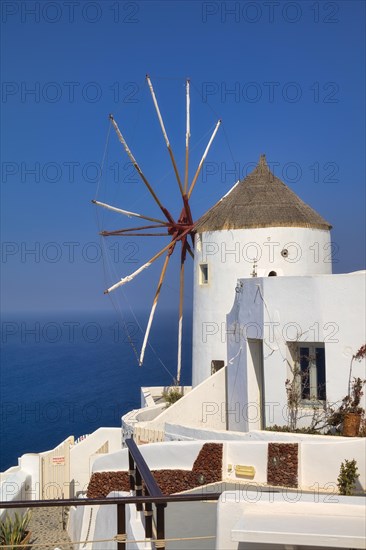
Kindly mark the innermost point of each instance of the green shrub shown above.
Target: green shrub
(171, 396)
(347, 477)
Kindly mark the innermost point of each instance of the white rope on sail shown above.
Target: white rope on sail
(158, 110)
(180, 339)
(188, 135)
(124, 143)
(188, 105)
(147, 332)
(152, 312)
(128, 278)
(180, 322)
(127, 213)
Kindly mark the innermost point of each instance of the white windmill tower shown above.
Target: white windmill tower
(259, 228)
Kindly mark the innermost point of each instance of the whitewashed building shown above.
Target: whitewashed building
(267, 310)
(315, 322)
(260, 228)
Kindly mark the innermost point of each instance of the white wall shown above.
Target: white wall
(196, 407)
(319, 460)
(322, 308)
(30, 463)
(229, 255)
(187, 519)
(149, 393)
(177, 432)
(21, 482)
(253, 453)
(12, 469)
(341, 521)
(149, 413)
(320, 463)
(106, 525)
(80, 517)
(247, 314)
(81, 455)
(170, 455)
(99, 523)
(14, 487)
(320, 457)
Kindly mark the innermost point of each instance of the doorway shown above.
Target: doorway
(256, 417)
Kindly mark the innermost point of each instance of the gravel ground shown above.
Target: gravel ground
(46, 526)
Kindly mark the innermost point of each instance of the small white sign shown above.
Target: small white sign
(58, 460)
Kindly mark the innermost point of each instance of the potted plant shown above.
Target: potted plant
(351, 410)
(14, 531)
(347, 418)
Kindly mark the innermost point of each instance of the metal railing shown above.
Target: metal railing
(141, 481)
(140, 472)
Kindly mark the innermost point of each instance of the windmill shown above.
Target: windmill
(179, 231)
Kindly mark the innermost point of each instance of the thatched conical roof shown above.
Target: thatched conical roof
(260, 200)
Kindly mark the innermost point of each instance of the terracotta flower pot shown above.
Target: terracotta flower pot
(25, 543)
(351, 424)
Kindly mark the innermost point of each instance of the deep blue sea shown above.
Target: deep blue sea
(70, 373)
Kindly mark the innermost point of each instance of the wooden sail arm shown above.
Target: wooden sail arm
(128, 278)
(186, 214)
(138, 169)
(189, 250)
(180, 318)
(164, 132)
(130, 231)
(107, 234)
(155, 303)
(155, 226)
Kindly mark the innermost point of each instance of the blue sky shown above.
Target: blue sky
(286, 78)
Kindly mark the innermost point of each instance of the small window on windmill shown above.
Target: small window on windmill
(216, 364)
(203, 274)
